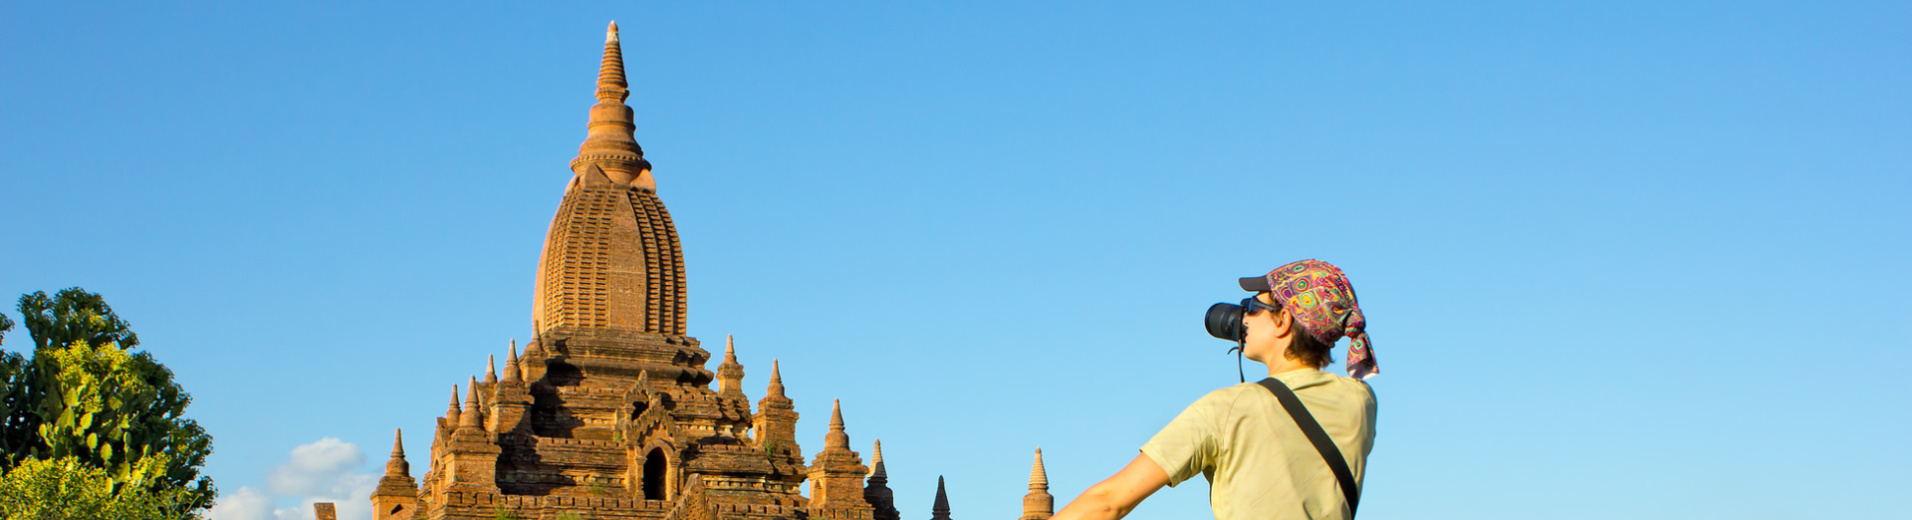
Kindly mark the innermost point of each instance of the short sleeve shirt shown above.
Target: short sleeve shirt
(1258, 463)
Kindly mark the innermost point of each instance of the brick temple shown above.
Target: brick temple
(608, 413)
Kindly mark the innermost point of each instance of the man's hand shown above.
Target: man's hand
(1115, 497)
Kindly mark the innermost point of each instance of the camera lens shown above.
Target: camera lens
(1224, 322)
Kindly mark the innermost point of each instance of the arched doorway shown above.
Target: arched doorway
(655, 472)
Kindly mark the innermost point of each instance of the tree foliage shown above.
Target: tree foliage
(63, 489)
(85, 397)
(73, 315)
(115, 410)
(19, 417)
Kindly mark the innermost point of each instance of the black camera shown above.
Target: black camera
(1224, 322)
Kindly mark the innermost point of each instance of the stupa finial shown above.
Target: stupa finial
(610, 145)
(730, 373)
(940, 509)
(470, 417)
(1038, 476)
(1038, 504)
(877, 472)
(397, 467)
(776, 380)
(511, 364)
(837, 438)
(452, 414)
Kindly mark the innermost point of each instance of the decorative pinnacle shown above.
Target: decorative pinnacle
(730, 373)
(877, 473)
(511, 364)
(940, 510)
(776, 380)
(609, 144)
(611, 69)
(1038, 477)
(397, 467)
(470, 418)
(836, 438)
(491, 369)
(452, 414)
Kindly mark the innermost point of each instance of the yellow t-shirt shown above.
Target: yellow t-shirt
(1258, 463)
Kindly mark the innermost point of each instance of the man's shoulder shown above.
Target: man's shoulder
(1316, 386)
(1311, 385)
(1232, 393)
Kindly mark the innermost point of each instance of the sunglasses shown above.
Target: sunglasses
(1249, 304)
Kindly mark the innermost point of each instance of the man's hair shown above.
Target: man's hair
(1306, 348)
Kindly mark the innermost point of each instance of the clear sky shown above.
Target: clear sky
(1619, 259)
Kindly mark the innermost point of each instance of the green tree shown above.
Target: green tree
(63, 489)
(114, 410)
(19, 421)
(85, 396)
(73, 315)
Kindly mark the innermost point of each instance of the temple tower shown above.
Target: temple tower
(776, 419)
(877, 492)
(1038, 504)
(611, 263)
(730, 374)
(940, 509)
(397, 495)
(836, 478)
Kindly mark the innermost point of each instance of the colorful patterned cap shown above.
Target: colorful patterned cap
(1322, 301)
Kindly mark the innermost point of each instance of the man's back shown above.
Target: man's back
(1258, 462)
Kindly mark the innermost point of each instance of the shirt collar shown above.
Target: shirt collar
(1304, 377)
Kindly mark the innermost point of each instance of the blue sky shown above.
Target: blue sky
(1637, 259)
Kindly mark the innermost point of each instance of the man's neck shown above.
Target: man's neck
(1284, 364)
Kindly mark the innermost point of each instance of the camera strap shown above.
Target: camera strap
(1240, 350)
(1318, 436)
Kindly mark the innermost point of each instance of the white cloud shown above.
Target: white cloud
(246, 504)
(323, 471)
(316, 468)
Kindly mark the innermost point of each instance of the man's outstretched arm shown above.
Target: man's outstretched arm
(1115, 497)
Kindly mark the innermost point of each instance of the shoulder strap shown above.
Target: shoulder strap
(1319, 437)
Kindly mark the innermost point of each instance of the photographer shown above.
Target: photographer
(1291, 446)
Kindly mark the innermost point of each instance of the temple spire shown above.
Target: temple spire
(511, 364)
(1038, 504)
(940, 510)
(396, 490)
(491, 369)
(609, 145)
(877, 492)
(1038, 476)
(837, 438)
(776, 380)
(397, 467)
(453, 415)
(471, 416)
(730, 373)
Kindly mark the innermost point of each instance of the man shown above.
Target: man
(1259, 463)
